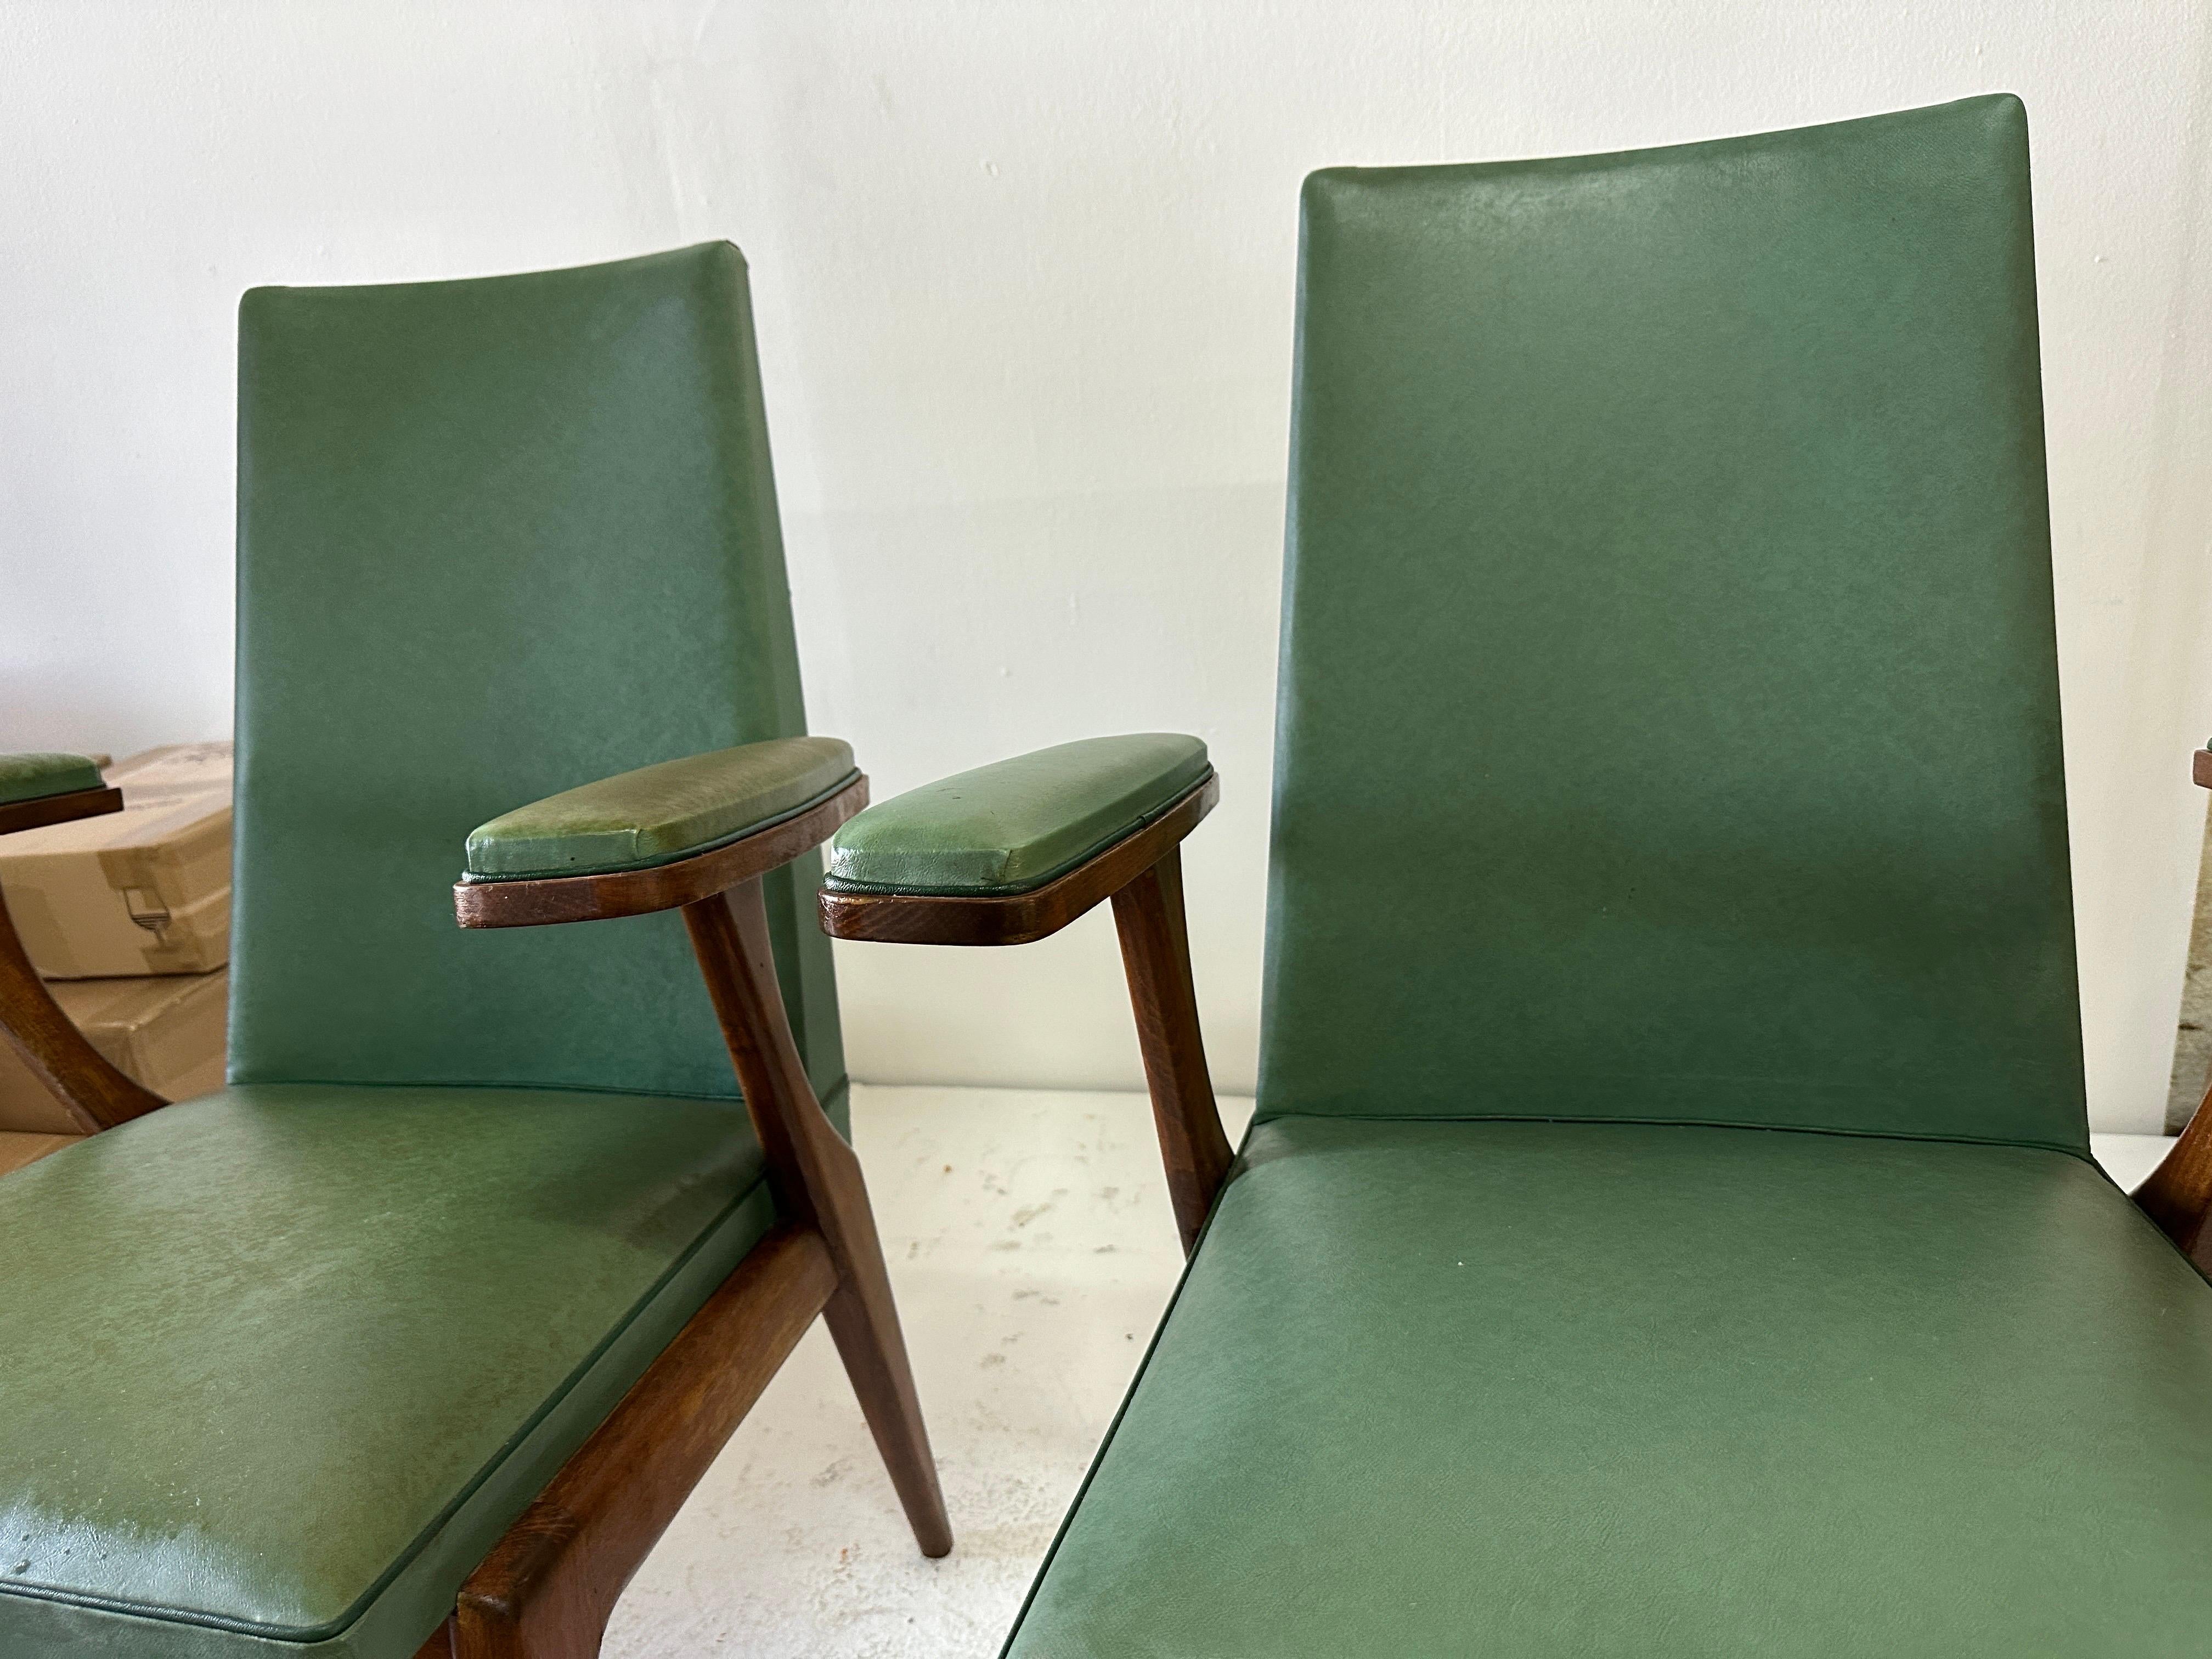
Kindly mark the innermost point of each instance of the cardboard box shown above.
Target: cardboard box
(145, 891)
(167, 1032)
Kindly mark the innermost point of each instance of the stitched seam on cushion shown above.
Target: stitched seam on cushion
(837, 884)
(843, 1085)
(1112, 1429)
(503, 1086)
(471, 878)
(302, 1634)
(2077, 1153)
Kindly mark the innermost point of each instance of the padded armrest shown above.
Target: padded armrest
(1009, 826)
(659, 814)
(32, 777)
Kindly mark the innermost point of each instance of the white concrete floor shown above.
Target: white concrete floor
(1031, 1249)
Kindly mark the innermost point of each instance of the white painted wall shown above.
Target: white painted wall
(1024, 281)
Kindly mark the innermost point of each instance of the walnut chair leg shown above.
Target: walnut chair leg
(817, 1180)
(865, 1325)
(1148, 914)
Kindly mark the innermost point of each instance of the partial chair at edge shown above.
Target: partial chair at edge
(414, 1337)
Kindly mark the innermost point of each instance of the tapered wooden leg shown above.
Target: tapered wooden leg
(1156, 951)
(818, 1179)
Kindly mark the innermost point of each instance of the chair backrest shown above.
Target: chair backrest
(1669, 722)
(496, 538)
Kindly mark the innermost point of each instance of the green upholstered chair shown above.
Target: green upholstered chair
(414, 1337)
(1667, 1226)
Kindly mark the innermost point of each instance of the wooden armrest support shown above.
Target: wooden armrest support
(1148, 914)
(545, 1591)
(2178, 1196)
(1142, 873)
(1018, 918)
(36, 813)
(94, 1092)
(535, 903)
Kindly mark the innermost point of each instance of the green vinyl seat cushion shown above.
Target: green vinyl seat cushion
(35, 776)
(1017, 823)
(282, 1362)
(1529, 1390)
(658, 814)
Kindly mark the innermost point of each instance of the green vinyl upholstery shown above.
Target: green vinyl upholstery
(1550, 1391)
(281, 1363)
(1667, 1230)
(497, 539)
(658, 814)
(1669, 711)
(33, 776)
(1017, 823)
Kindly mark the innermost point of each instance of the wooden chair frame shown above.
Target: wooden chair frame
(548, 1586)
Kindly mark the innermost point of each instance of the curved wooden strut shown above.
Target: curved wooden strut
(2178, 1196)
(89, 1087)
(547, 1587)
(1142, 873)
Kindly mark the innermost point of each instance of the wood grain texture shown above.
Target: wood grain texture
(1148, 914)
(58, 809)
(663, 887)
(1017, 917)
(2178, 1196)
(816, 1180)
(548, 1587)
(97, 1096)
